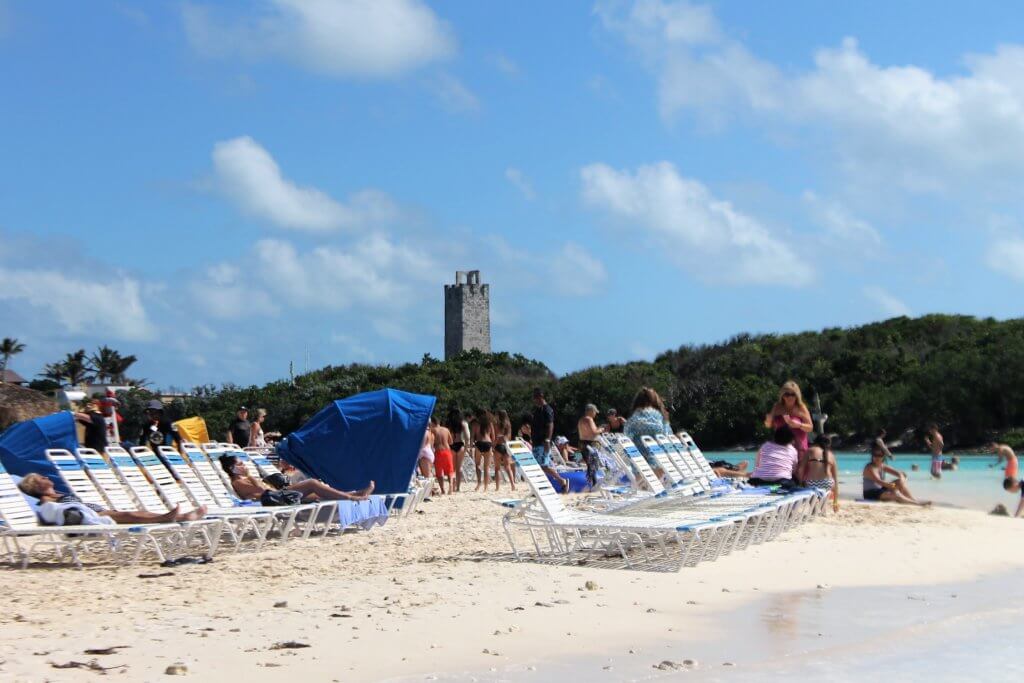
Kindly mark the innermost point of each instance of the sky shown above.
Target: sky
(222, 189)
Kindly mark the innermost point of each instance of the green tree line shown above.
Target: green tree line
(961, 372)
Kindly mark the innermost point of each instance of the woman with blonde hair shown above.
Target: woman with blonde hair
(256, 437)
(790, 411)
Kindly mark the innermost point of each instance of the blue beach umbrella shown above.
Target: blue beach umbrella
(22, 445)
(375, 435)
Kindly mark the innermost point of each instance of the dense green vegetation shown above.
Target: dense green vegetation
(961, 372)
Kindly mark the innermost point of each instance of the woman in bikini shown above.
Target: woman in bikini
(817, 469)
(460, 441)
(877, 488)
(483, 440)
(502, 461)
(790, 411)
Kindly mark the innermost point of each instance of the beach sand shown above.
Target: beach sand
(437, 596)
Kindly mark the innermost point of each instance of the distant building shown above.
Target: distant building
(467, 315)
(11, 377)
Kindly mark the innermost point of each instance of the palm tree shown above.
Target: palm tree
(54, 372)
(8, 347)
(121, 367)
(75, 368)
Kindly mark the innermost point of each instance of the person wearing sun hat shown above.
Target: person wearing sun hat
(240, 429)
(157, 431)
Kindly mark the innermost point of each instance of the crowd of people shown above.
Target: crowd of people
(788, 459)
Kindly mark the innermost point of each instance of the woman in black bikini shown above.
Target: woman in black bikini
(460, 435)
(502, 461)
(877, 488)
(817, 469)
(483, 439)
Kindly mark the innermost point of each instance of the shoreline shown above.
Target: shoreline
(428, 595)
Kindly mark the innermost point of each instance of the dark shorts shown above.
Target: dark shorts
(873, 494)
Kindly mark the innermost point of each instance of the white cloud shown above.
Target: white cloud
(224, 294)
(888, 304)
(1006, 256)
(900, 124)
(843, 230)
(521, 182)
(576, 272)
(374, 273)
(683, 220)
(249, 176)
(356, 38)
(452, 94)
(111, 308)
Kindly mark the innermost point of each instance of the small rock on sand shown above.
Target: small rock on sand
(176, 669)
(591, 585)
(281, 603)
(1000, 511)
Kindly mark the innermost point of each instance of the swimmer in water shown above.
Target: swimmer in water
(933, 439)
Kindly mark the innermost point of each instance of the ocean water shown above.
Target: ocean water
(976, 485)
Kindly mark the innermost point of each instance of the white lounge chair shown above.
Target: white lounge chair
(100, 480)
(121, 543)
(567, 532)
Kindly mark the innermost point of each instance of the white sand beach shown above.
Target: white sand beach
(437, 596)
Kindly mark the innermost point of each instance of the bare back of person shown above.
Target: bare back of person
(442, 438)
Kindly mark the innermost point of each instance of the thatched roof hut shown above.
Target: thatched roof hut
(21, 403)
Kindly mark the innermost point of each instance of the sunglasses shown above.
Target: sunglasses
(789, 394)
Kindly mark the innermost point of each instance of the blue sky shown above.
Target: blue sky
(220, 188)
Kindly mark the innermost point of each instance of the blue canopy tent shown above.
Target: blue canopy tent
(22, 446)
(376, 435)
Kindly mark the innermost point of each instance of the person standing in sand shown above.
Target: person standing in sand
(502, 459)
(933, 439)
(483, 441)
(589, 431)
(426, 459)
(790, 411)
(256, 437)
(877, 488)
(542, 430)
(461, 437)
(444, 459)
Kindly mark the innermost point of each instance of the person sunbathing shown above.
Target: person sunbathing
(250, 488)
(877, 488)
(41, 487)
(724, 468)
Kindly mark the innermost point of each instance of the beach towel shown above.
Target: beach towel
(55, 514)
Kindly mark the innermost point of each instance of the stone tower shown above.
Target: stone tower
(467, 314)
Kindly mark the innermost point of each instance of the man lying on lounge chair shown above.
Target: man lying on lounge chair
(248, 488)
(41, 487)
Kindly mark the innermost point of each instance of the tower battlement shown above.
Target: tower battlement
(467, 314)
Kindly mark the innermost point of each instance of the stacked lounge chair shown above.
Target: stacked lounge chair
(24, 538)
(709, 517)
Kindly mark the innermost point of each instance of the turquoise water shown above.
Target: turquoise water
(977, 485)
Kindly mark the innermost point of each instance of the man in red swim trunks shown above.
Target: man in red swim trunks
(444, 459)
